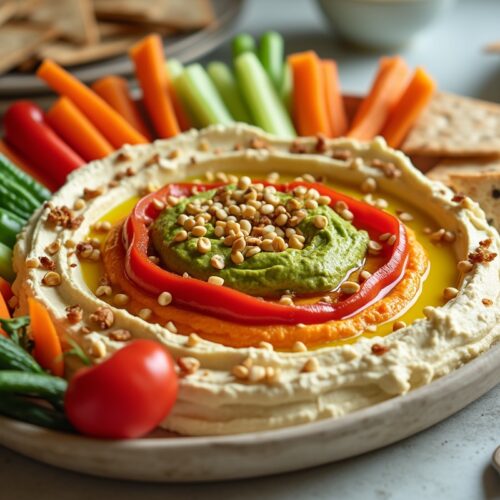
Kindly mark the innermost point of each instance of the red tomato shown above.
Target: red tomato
(126, 396)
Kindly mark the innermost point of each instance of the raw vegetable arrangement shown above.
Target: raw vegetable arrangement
(295, 96)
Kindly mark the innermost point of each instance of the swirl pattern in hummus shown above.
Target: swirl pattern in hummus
(349, 376)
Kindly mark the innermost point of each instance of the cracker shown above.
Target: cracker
(7, 11)
(174, 14)
(477, 179)
(68, 54)
(108, 29)
(456, 126)
(73, 19)
(19, 41)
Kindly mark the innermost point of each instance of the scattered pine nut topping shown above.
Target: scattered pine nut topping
(103, 291)
(193, 339)
(465, 266)
(97, 349)
(90, 194)
(216, 280)
(240, 372)
(145, 314)
(79, 204)
(349, 287)
(364, 275)
(299, 346)
(265, 345)
(397, 325)
(369, 185)
(165, 298)
(256, 373)
(311, 365)
(51, 278)
(404, 216)
(32, 263)
(121, 299)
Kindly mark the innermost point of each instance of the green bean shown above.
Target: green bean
(39, 385)
(225, 82)
(6, 270)
(33, 413)
(199, 93)
(243, 43)
(271, 52)
(13, 357)
(10, 226)
(265, 106)
(8, 169)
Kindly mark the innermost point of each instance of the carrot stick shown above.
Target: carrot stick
(149, 63)
(14, 157)
(388, 87)
(104, 117)
(48, 351)
(309, 107)
(412, 103)
(74, 127)
(114, 90)
(333, 98)
(4, 310)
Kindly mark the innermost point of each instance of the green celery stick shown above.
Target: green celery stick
(287, 88)
(226, 85)
(265, 106)
(271, 53)
(201, 96)
(6, 270)
(174, 68)
(243, 43)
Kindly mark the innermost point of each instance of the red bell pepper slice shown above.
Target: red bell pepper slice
(27, 130)
(233, 305)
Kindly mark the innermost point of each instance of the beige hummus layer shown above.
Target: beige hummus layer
(348, 377)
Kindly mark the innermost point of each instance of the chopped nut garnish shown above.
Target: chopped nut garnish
(170, 326)
(256, 373)
(123, 156)
(51, 279)
(79, 204)
(397, 325)
(388, 168)
(165, 298)
(32, 263)
(299, 346)
(103, 317)
(64, 217)
(450, 293)
(89, 194)
(103, 291)
(349, 287)
(487, 302)
(84, 250)
(121, 299)
(465, 266)
(481, 254)
(47, 263)
(120, 335)
(341, 154)
(240, 372)
(188, 365)
(193, 339)
(311, 365)
(74, 314)
(369, 185)
(379, 349)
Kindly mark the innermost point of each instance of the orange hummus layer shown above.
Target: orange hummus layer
(280, 336)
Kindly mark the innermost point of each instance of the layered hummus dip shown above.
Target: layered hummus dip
(291, 280)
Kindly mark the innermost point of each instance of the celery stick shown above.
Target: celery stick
(226, 84)
(287, 88)
(271, 52)
(201, 96)
(265, 106)
(243, 43)
(174, 68)
(6, 271)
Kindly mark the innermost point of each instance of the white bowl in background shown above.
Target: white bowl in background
(382, 23)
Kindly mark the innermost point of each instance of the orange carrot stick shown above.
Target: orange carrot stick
(74, 127)
(412, 103)
(309, 106)
(14, 157)
(333, 98)
(104, 117)
(4, 311)
(388, 87)
(48, 351)
(149, 62)
(114, 90)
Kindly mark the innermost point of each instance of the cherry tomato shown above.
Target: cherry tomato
(125, 396)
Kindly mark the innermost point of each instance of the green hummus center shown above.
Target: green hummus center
(328, 254)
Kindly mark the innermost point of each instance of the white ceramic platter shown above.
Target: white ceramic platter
(187, 459)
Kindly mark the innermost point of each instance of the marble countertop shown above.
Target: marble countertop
(452, 460)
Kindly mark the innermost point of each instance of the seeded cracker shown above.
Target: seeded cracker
(453, 126)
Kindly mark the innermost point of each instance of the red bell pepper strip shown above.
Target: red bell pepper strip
(27, 131)
(233, 305)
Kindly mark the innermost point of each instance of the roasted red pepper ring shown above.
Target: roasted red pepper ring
(232, 305)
